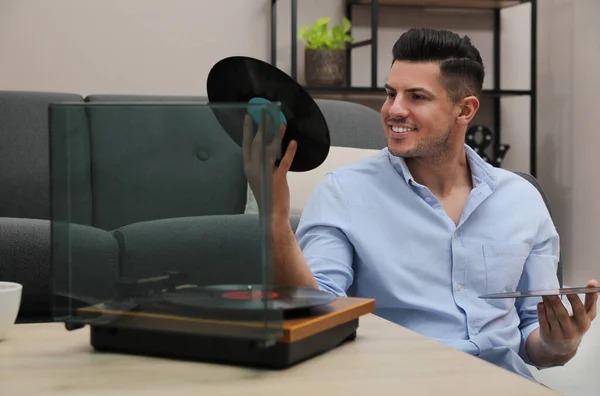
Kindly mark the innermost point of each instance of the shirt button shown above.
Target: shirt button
(428, 199)
(458, 287)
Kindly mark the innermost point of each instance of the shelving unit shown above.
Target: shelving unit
(495, 94)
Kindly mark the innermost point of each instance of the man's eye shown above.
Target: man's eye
(390, 94)
(418, 97)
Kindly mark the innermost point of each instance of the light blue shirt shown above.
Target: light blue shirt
(370, 230)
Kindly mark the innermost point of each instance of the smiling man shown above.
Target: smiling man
(426, 226)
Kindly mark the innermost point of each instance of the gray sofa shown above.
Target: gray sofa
(150, 189)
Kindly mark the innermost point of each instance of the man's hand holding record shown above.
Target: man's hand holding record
(252, 157)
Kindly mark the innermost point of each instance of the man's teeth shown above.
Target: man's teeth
(400, 130)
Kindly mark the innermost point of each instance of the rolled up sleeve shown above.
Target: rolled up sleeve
(540, 273)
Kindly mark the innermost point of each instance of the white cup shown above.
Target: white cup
(10, 302)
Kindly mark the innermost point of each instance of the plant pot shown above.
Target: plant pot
(325, 67)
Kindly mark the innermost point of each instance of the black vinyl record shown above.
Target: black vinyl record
(240, 79)
(249, 297)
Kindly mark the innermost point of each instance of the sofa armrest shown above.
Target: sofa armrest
(220, 249)
(216, 249)
(89, 261)
(25, 258)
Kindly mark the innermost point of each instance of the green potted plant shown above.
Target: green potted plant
(325, 52)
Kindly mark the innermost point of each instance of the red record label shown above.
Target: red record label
(249, 295)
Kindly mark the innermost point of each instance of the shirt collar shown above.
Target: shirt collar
(481, 171)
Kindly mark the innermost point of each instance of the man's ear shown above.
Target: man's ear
(467, 108)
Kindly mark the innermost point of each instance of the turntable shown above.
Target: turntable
(240, 325)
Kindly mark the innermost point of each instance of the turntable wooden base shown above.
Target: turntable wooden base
(230, 342)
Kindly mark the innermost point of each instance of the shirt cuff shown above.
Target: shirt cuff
(525, 333)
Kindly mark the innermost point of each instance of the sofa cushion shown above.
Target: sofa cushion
(160, 161)
(302, 184)
(24, 154)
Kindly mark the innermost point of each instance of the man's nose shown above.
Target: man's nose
(398, 109)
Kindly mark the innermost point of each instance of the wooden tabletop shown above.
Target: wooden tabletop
(45, 359)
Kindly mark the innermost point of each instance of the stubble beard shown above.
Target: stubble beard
(435, 149)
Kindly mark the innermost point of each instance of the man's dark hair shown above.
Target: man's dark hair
(461, 67)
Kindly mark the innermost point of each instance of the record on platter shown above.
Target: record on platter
(241, 79)
(249, 297)
(542, 293)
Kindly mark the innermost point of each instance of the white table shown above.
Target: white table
(385, 359)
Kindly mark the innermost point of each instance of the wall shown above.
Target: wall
(168, 47)
(569, 54)
(135, 46)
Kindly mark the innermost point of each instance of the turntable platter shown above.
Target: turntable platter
(249, 297)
